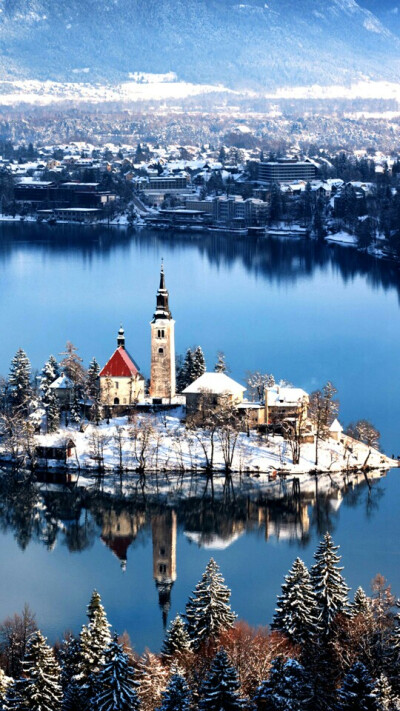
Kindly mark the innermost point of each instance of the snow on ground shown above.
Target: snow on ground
(171, 447)
(343, 238)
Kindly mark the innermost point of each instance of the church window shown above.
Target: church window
(116, 401)
(116, 385)
(162, 552)
(162, 568)
(161, 351)
(161, 333)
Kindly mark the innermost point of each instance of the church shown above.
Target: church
(121, 382)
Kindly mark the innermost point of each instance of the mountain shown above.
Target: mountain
(388, 12)
(252, 44)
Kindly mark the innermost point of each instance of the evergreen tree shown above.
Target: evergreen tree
(92, 378)
(199, 363)
(52, 412)
(361, 604)
(176, 697)
(115, 684)
(185, 374)
(75, 407)
(288, 688)
(49, 374)
(5, 682)
(98, 628)
(357, 691)
(20, 379)
(208, 611)
(221, 366)
(329, 585)
(275, 204)
(296, 612)
(220, 690)
(384, 694)
(177, 638)
(40, 687)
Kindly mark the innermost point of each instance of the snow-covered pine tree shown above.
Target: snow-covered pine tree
(220, 689)
(99, 629)
(92, 378)
(385, 696)
(116, 689)
(361, 604)
(5, 682)
(177, 638)
(75, 407)
(288, 688)
(177, 696)
(220, 366)
(296, 613)
(52, 412)
(357, 691)
(184, 374)
(199, 363)
(20, 379)
(69, 656)
(40, 687)
(49, 374)
(329, 585)
(152, 676)
(208, 611)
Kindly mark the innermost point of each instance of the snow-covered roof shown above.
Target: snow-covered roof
(281, 396)
(212, 541)
(216, 383)
(62, 383)
(336, 426)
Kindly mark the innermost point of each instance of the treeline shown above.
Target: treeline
(323, 652)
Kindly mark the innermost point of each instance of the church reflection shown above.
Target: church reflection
(77, 518)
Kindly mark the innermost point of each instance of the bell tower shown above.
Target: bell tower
(162, 376)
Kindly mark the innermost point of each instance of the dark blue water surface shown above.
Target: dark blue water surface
(305, 312)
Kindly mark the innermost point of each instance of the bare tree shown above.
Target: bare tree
(365, 432)
(72, 364)
(322, 410)
(257, 383)
(228, 431)
(294, 430)
(142, 437)
(14, 634)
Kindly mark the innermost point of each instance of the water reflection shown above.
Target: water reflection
(280, 260)
(77, 519)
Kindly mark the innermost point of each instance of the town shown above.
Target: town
(349, 197)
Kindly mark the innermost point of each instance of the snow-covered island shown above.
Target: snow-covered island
(162, 443)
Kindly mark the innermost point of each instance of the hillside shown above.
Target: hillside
(254, 44)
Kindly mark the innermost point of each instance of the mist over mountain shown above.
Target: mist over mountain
(251, 44)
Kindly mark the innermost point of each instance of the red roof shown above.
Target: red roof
(120, 365)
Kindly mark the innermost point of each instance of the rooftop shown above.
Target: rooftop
(216, 383)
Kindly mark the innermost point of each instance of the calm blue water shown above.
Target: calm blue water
(303, 311)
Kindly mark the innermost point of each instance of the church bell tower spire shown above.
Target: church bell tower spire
(162, 378)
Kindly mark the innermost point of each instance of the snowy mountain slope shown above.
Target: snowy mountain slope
(240, 44)
(388, 12)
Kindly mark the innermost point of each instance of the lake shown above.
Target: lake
(304, 311)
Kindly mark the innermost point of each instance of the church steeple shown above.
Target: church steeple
(162, 308)
(162, 376)
(121, 338)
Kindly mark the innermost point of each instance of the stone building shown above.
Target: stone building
(162, 377)
(218, 388)
(121, 382)
(164, 529)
